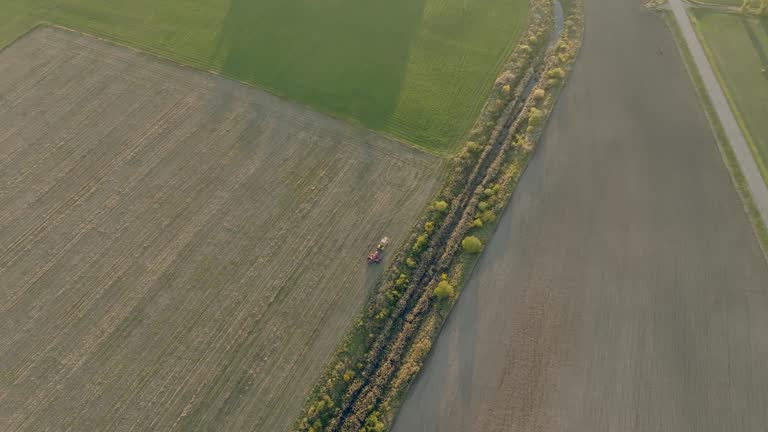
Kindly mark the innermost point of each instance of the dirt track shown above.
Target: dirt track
(624, 290)
(177, 251)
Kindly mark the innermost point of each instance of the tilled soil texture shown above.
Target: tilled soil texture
(177, 251)
(624, 289)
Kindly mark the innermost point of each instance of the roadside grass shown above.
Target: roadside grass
(720, 2)
(761, 232)
(737, 47)
(419, 70)
(754, 4)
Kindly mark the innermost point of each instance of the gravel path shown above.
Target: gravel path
(624, 290)
(757, 185)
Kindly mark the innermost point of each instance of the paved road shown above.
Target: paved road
(624, 290)
(757, 185)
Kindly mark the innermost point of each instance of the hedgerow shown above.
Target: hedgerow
(384, 350)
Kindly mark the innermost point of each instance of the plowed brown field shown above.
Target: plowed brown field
(624, 290)
(177, 251)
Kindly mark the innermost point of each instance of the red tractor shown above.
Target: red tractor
(376, 256)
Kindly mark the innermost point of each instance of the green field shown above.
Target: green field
(738, 47)
(416, 69)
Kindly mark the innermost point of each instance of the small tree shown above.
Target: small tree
(444, 290)
(472, 244)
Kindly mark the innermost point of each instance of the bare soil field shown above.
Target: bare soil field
(177, 251)
(624, 289)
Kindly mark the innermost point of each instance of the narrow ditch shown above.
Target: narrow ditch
(413, 299)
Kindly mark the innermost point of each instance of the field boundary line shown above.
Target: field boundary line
(726, 151)
(26, 32)
(199, 67)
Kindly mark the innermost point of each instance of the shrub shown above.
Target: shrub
(393, 294)
(429, 227)
(440, 206)
(557, 73)
(382, 315)
(488, 216)
(535, 118)
(472, 244)
(410, 262)
(482, 205)
(477, 223)
(506, 89)
(372, 423)
(444, 290)
(539, 94)
(473, 147)
(421, 243)
(552, 82)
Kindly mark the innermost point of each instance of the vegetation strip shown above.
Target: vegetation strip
(373, 367)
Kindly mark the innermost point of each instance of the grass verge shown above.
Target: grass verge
(739, 182)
